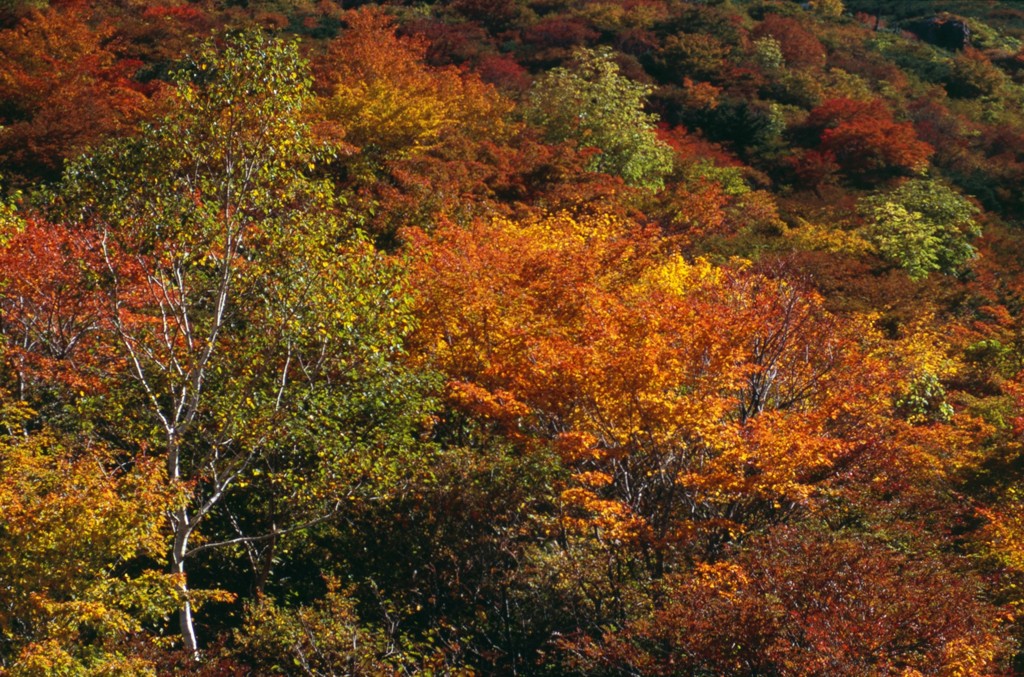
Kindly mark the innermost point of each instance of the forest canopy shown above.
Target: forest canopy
(518, 337)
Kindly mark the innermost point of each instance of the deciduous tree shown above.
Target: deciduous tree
(571, 331)
(63, 88)
(78, 555)
(249, 318)
(593, 104)
(865, 140)
(384, 100)
(808, 603)
(924, 226)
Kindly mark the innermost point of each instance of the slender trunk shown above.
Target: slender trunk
(182, 529)
(266, 564)
(188, 631)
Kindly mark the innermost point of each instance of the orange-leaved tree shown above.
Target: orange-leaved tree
(64, 87)
(686, 396)
(865, 139)
(52, 316)
(807, 602)
(381, 98)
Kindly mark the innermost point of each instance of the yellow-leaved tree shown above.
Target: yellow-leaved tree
(380, 98)
(82, 538)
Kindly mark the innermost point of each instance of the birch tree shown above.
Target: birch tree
(256, 330)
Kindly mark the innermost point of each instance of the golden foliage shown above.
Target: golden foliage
(383, 98)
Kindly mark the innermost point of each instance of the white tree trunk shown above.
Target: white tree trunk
(181, 533)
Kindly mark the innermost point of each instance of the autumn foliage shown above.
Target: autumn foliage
(531, 337)
(64, 88)
(865, 140)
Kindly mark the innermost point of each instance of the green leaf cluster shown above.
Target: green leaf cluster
(924, 226)
(594, 104)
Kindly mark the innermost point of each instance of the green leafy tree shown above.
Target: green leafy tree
(924, 226)
(328, 637)
(593, 104)
(768, 53)
(257, 330)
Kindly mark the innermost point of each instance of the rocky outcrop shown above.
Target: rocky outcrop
(947, 32)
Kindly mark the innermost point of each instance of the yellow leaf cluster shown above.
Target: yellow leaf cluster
(385, 98)
(610, 520)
